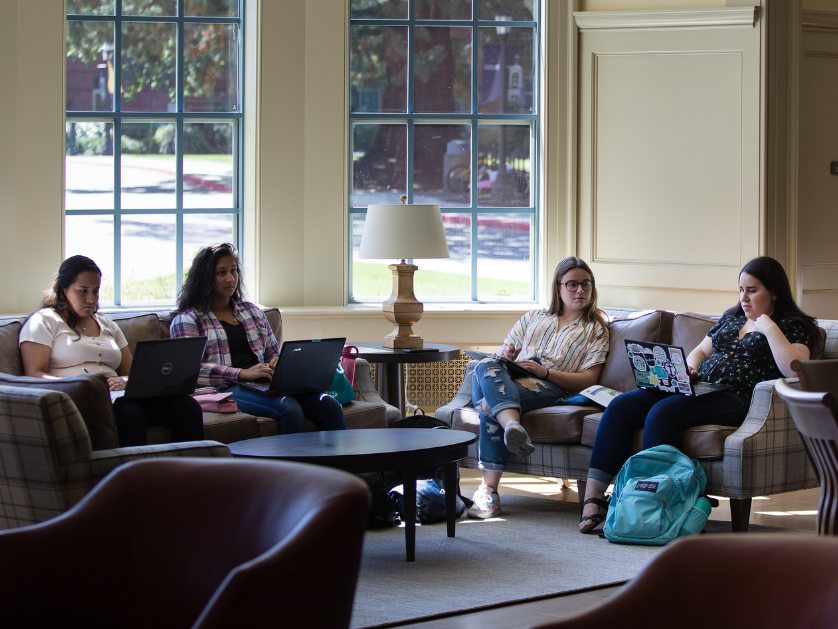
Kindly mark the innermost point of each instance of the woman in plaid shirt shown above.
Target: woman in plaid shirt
(241, 346)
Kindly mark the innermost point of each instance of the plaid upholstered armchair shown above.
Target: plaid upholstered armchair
(48, 463)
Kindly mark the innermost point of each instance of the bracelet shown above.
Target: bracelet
(547, 374)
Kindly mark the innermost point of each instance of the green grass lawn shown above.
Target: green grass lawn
(370, 279)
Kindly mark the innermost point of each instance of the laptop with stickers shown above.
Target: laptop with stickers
(664, 367)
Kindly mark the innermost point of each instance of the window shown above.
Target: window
(153, 138)
(443, 109)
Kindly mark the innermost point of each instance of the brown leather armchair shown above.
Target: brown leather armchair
(201, 543)
(765, 581)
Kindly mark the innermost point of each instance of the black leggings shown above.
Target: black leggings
(180, 414)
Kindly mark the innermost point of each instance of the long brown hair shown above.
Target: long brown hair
(591, 314)
(196, 291)
(55, 296)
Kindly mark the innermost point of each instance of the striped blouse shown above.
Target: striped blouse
(574, 348)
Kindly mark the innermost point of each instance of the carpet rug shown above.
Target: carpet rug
(533, 549)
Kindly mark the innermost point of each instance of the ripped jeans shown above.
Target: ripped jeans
(491, 381)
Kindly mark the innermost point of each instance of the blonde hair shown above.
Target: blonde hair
(591, 314)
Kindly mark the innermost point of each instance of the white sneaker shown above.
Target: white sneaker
(517, 440)
(486, 504)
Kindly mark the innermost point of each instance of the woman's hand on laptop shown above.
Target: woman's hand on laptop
(272, 363)
(256, 372)
(693, 373)
(118, 383)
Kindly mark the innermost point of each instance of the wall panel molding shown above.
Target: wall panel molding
(723, 17)
(820, 20)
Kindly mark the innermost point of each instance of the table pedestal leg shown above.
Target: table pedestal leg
(409, 480)
(389, 382)
(451, 496)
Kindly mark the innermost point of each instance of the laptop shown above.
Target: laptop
(515, 370)
(664, 367)
(303, 367)
(164, 368)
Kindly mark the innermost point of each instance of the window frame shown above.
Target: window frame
(410, 118)
(179, 117)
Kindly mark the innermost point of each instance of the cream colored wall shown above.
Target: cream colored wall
(31, 159)
(642, 5)
(820, 5)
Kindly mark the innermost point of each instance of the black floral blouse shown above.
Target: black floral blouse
(743, 364)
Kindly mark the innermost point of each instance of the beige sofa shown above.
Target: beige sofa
(764, 456)
(367, 411)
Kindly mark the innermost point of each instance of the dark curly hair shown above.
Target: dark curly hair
(773, 276)
(197, 288)
(55, 296)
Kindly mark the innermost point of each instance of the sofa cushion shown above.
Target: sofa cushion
(364, 415)
(229, 427)
(10, 361)
(705, 443)
(138, 328)
(655, 326)
(689, 329)
(274, 317)
(817, 351)
(89, 393)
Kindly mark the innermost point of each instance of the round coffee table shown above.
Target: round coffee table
(389, 374)
(374, 450)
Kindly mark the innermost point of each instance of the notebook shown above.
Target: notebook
(303, 367)
(514, 369)
(664, 367)
(164, 367)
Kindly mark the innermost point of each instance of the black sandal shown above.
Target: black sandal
(595, 519)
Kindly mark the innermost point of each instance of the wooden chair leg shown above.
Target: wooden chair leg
(740, 514)
(580, 484)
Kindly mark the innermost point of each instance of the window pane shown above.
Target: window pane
(377, 68)
(88, 166)
(442, 164)
(148, 66)
(202, 230)
(443, 9)
(89, 66)
(509, 91)
(504, 245)
(448, 278)
(208, 165)
(520, 10)
(149, 7)
(148, 167)
(92, 236)
(378, 9)
(210, 67)
(90, 7)
(443, 70)
(509, 145)
(371, 279)
(212, 8)
(379, 163)
(148, 257)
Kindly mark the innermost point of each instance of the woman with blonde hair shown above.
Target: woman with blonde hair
(564, 347)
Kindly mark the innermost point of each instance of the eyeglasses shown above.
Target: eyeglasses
(572, 286)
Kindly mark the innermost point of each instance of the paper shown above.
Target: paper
(600, 395)
(116, 394)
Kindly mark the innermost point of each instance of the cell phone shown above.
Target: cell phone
(417, 350)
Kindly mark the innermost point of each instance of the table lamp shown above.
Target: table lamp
(404, 232)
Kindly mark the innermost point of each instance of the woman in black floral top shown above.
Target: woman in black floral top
(754, 341)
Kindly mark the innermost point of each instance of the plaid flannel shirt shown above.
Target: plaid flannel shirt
(217, 369)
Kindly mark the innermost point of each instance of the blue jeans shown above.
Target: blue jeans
(663, 417)
(290, 412)
(490, 381)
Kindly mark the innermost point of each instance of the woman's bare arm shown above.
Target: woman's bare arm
(702, 352)
(36, 360)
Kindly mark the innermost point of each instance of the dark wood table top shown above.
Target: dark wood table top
(377, 353)
(363, 450)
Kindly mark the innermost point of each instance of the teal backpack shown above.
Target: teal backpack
(657, 497)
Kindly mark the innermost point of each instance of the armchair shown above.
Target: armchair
(48, 461)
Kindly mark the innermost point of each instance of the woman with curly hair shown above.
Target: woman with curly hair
(241, 346)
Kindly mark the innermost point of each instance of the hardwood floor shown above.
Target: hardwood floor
(794, 510)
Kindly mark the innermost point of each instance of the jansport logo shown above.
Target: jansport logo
(646, 485)
(167, 369)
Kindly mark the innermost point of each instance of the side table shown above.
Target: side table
(389, 372)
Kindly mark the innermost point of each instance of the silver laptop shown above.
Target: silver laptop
(664, 367)
(303, 367)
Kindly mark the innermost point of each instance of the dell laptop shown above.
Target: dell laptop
(164, 368)
(664, 367)
(303, 367)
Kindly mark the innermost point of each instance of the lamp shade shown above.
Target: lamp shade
(403, 231)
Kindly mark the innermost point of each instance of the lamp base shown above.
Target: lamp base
(402, 309)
